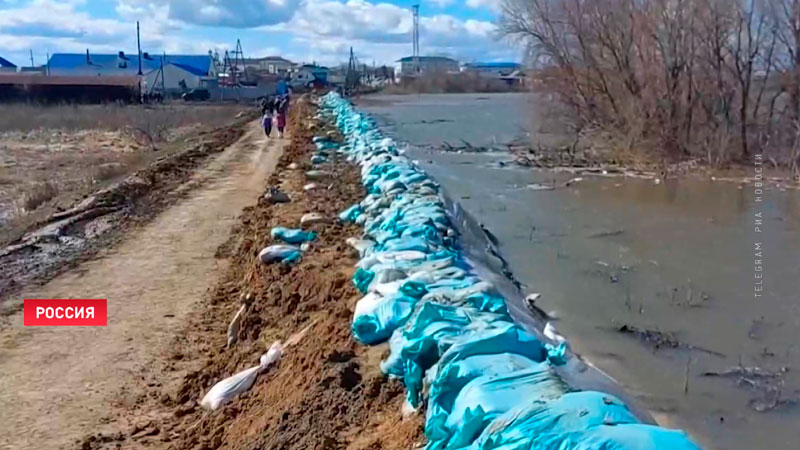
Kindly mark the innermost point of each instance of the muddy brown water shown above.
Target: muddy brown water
(678, 257)
(58, 384)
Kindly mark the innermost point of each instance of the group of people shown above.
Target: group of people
(274, 108)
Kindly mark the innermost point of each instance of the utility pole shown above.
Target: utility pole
(31, 50)
(139, 47)
(163, 83)
(351, 78)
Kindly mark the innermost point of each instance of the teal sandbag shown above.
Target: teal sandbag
(492, 351)
(350, 214)
(362, 279)
(487, 303)
(487, 397)
(612, 437)
(292, 236)
(427, 334)
(425, 230)
(414, 341)
(323, 144)
(451, 379)
(507, 337)
(574, 411)
(460, 331)
(402, 244)
(414, 289)
(378, 325)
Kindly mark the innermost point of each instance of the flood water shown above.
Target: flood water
(680, 257)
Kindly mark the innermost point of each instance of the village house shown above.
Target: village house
(173, 73)
(273, 65)
(309, 75)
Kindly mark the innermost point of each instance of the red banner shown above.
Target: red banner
(65, 313)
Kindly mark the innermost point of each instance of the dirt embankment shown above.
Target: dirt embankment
(68, 237)
(327, 392)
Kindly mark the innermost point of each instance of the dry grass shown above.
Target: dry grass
(154, 120)
(52, 156)
(39, 194)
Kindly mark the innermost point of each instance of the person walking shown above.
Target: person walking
(281, 110)
(268, 110)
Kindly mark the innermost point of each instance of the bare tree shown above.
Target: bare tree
(689, 77)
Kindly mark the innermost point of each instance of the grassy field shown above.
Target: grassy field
(51, 156)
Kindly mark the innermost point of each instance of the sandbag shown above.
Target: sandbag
(286, 254)
(488, 396)
(317, 175)
(292, 236)
(313, 219)
(227, 389)
(617, 437)
(374, 324)
(491, 383)
(573, 411)
(362, 246)
(350, 214)
(235, 325)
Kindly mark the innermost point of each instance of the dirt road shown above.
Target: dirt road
(57, 384)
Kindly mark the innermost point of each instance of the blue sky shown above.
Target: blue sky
(301, 30)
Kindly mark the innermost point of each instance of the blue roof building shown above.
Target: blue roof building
(122, 64)
(7, 66)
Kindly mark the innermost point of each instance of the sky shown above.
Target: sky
(320, 31)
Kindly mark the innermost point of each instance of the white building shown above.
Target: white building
(492, 69)
(274, 65)
(411, 66)
(177, 78)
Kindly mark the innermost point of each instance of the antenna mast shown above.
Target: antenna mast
(238, 58)
(415, 37)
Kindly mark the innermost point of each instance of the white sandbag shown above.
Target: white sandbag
(551, 333)
(313, 218)
(367, 304)
(360, 245)
(227, 389)
(317, 175)
(386, 289)
(230, 387)
(388, 275)
(278, 253)
(233, 327)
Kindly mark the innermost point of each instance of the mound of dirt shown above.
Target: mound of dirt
(327, 392)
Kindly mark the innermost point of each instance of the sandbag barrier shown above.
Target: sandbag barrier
(488, 383)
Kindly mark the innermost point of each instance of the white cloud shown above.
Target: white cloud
(49, 25)
(493, 5)
(321, 30)
(226, 13)
(382, 31)
(442, 3)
